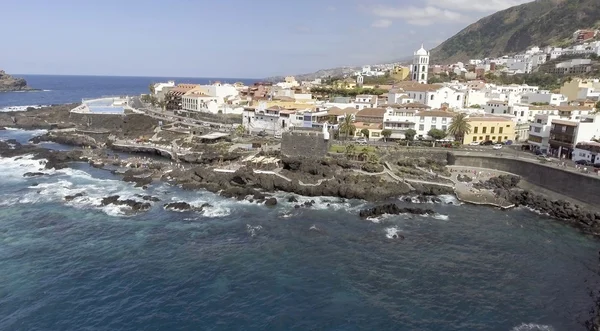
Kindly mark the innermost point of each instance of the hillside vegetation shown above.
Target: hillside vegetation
(539, 23)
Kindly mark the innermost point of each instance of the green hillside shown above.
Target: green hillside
(539, 23)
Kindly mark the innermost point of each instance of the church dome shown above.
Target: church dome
(421, 51)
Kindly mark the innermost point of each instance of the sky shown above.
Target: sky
(223, 38)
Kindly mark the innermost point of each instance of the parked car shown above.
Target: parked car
(475, 143)
(545, 158)
(263, 134)
(487, 143)
(361, 141)
(582, 162)
(497, 146)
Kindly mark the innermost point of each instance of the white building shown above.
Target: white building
(539, 132)
(199, 102)
(566, 134)
(272, 120)
(158, 87)
(420, 67)
(588, 151)
(432, 119)
(435, 96)
(496, 107)
(363, 101)
(543, 96)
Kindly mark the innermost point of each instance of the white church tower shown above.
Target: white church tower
(420, 66)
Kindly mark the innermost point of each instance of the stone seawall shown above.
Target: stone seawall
(304, 143)
(581, 187)
(132, 125)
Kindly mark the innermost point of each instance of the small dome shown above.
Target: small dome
(421, 51)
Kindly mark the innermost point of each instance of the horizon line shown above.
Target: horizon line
(133, 76)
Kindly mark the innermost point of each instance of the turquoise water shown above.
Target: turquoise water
(241, 266)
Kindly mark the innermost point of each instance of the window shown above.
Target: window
(474, 138)
(433, 127)
(492, 129)
(421, 127)
(493, 110)
(423, 67)
(431, 97)
(484, 130)
(505, 138)
(564, 129)
(522, 113)
(500, 129)
(421, 95)
(458, 98)
(508, 125)
(475, 129)
(433, 119)
(444, 128)
(494, 138)
(422, 119)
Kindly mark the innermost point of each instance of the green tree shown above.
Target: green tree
(365, 133)
(437, 134)
(347, 127)
(459, 127)
(386, 133)
(162, 104)
(597, 106)
(373, 158)
(240, 130)
(350, 151)
(363, 156)
(410, 134)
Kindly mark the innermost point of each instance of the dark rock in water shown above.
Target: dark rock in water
(178, 206)
(72, 197)
(297, 206)
(148, 198)
(309, 203)
(292, 199)
(271, 201)
(139, 181)
(136, 206)
(393, 209)
(2, 128)
(34, 174)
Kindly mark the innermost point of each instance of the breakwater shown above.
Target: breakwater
(581, 187)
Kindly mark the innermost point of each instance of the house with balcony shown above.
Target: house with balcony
(272, 120)
(539, 132)
(363, 101)
(566, 134)
(432, 119)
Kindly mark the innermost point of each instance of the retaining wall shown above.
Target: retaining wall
(577, 186)
(304, 143)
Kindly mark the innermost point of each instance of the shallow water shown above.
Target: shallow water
(241, 266)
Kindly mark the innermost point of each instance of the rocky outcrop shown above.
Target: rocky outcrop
(135, 206)
(182, 206)
(505, 187)
(74, 196)
(54, 159)
(9, 83)
(393, 209)
(34, 174)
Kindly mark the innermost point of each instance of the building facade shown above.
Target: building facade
(487, 128)
(420, 66)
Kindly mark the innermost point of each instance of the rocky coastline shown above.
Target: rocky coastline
(9, 83)
(328, 176)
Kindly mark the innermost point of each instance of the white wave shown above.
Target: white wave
(532, 327)
(21, 108)
(57, 184)
(392, 232)
(252, 230)
(441, 217)
(449, 199)
(446, 199)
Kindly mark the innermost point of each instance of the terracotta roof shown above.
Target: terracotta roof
(416, 105)
(560, 108)
(563, 122)
(371, 112)
(363, 125)
(338, 111)
(488, 119)
(416, 87)
(436, 113)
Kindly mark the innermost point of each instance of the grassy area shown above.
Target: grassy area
(358, 149)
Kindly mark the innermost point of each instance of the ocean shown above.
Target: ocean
(78, 265)
(68, 89)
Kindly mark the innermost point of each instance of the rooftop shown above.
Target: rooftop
(371, 112)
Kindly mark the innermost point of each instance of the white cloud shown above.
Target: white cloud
(486, 6)
(382, 23)
(419, 16)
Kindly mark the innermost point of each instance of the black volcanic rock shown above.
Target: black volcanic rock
(393, 209)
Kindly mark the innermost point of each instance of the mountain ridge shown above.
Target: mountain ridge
(538, 23)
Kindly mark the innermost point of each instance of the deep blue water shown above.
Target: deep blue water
(241, 266)
(68, 89)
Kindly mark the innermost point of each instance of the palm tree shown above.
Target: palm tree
(459, 127)
(151, 88)
(347, 126)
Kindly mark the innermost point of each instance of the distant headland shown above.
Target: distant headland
(9, 83)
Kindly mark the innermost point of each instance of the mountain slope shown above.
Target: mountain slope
(538, 23)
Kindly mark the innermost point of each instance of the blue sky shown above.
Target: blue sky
(223, 38)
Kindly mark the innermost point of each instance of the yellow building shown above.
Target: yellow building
(374, 130)
(496, 129)
(400, 73)
(570, 89)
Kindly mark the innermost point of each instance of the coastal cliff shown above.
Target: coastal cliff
(9, 83)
